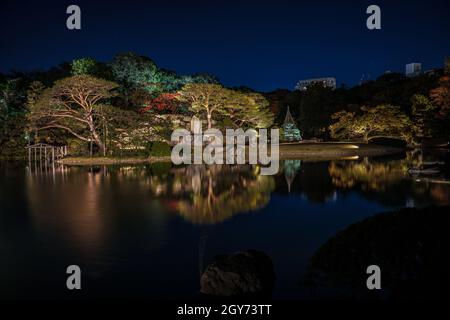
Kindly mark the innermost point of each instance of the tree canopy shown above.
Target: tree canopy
(236, 108)
(382, 120)
(75, 105)
(125, 103)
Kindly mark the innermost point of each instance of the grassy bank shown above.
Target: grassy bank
(84, 161)
(334, 150)
(307, 151)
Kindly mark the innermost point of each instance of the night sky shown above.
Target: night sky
(261, 44)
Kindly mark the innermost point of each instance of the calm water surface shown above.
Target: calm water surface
(150, 230)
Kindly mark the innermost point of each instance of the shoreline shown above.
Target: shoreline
(292, 151)
(335, 150)
(97, 161)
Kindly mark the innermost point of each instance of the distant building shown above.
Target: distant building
(431, 72)
(303, 85)
(413, 69)
(364, 79)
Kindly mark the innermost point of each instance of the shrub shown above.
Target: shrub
(159, 149)
(77, 147)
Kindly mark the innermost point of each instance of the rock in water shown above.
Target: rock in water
(245, 273)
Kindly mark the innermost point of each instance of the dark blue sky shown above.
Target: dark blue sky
(262, 44)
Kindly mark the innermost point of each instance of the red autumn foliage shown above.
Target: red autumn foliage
(441, 96)
(166, 102)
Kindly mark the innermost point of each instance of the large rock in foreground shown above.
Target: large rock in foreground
(247, 273)
(410, 246)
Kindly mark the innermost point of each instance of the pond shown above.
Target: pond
(149, 231)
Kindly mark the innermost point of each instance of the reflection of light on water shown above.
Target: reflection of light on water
(68, 205)
(350, 146)
(410, 203)
(208, 194)
(333, 197)
(433, 181)
(350, 158)
(127, 168)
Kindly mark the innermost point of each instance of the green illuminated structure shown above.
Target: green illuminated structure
(290, 130)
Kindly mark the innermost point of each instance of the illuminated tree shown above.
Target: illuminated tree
(209, 99)
(423, 116)
(248, 110)
(345, 127)
(164, 103)
(133, 71)
(241, 109)
(441, 97)
(74, 105)
(380, 121)
(85, 66)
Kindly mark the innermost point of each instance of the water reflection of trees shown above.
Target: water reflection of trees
(310, 179)
(384, 180)
(388, 181)
(369, 175)
(208, 194)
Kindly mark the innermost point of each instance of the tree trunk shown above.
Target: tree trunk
(208, 117)
(97, 139)
(99, 143)
(366, 137)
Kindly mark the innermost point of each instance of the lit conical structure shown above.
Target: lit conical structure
(291, 132)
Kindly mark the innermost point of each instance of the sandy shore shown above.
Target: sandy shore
(307, 151)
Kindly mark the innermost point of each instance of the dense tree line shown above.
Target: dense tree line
(112, 108)
(130, 102)
(410, 108)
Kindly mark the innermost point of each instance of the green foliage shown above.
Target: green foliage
(423, 116)
(249, 110)
(141, 80)
(13, 138)
(84, 66)
(77, 147)
(200, 78)
(216, 102)
(312, 109)
(159, 149)
(13, 123)
(132, 70)
(29, 101)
